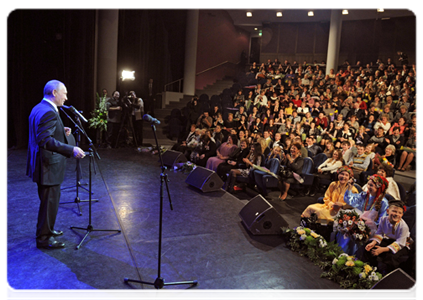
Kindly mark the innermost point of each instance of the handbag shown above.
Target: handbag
(284, 172)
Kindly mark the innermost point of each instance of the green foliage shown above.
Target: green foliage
(98, 118)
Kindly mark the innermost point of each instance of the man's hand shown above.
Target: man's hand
(78, 152)
(68, 131)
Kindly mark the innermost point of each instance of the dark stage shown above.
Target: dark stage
(203, 237)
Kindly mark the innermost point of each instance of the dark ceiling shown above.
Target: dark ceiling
(263, 16)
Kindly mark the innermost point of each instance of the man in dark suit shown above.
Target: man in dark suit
(48, 148)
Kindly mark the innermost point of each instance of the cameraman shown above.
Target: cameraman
(114, 115)
(136, 106)
(204, 121)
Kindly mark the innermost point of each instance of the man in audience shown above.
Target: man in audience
(359, 162)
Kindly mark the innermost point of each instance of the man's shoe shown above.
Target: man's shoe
(57, 232)
(50, 244)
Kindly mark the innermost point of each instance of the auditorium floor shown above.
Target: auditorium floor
(203, 237)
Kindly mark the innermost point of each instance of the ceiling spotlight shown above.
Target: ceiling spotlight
(279, 14)
(345, 12)
(381, 10)
(310, 13)
(255, 29)
(249, 14)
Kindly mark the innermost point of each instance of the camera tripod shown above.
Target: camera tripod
(126, 119)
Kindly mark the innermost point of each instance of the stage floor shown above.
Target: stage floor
(203, 237)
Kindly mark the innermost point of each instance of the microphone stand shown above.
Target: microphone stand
(78, 185)
(160, 282)
(90, 227)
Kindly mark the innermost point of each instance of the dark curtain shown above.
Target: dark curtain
(44, 45)
(151, 43)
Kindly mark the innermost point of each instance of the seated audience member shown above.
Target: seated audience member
(389, 156)
(333, 200)
(181, 147)
(378, 140)
(312, 148)
(205, 150)
(224, 151)
(383, 123)
(345, 134)
(408, 153)
(204, 121)
(255, 157)
(347, 152)
(294, 164)
(257, 126)
(267, 139)
(218, 135)
(327, 170)
(387, 171)
(328, 148)
(385, 249)
(371, 203)
(235, 161)
(361, 137)
(230, 123)
(401, 124)
(395, 139)
(359, 162)
(278, 140)
(369, 124)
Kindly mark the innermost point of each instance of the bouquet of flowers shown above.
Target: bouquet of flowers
(360, 232)
(349, 223)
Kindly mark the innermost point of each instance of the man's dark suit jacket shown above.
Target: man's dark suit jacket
(47, 146)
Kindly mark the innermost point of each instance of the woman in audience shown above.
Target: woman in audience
(387, 171)
(334, 197)
(255, 157)
(224, 151)
(372, 206)
(408, 154)
(235, 161)
(293, 165)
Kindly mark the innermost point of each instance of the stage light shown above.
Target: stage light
(381, 10)
(345, 12)
(310, 13)
(128, 75)
(279, 14)
(249, 14)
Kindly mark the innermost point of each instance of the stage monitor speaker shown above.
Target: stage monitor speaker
(171, 158)
(395, 285)
(204, 179)
(261, 218)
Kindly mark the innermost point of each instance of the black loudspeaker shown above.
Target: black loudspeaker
(395, 285)
(204, 179)
(261, 218)
(171, 158)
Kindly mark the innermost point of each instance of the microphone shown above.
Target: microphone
(73, 109)
(150, 119)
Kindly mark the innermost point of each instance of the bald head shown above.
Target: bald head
(51, 86)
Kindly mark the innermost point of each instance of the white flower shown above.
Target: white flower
(350, 222)
(303, 237)
(342, 254)
(334, 261)
(360, 236)
(345, 223)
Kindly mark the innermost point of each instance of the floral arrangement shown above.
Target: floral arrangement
(349, 222)
(98, 118)
(346, 270)
(350, 272)
(188, 167)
